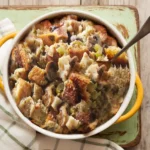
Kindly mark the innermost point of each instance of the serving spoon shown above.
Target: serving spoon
(145, 29)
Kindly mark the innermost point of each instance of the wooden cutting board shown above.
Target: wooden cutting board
(126, 20)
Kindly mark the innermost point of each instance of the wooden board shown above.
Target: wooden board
(125, 19)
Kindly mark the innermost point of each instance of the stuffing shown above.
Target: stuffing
(51, 53)
(48, 38)
(37, 75)
(61, 33)
(56, 102)
(68, 17)
(25, 58)
(73, 26)
(110, 41)
(64, 67)
(43, 26)
(112, 50)
(89, 30)
(51, 71)
(77, 48)
(60, 78)
(27, 106)
(35, 44)
(81, 82)
(39, 114)
(85, 61)
(15, 60)
(48, 97)
(92, 41)
(19, 73)
(21, 90)
(92, 72)
(37, 92)
(72, 123)
(62, 117)
(84, 117)
(70, 93)
(102, 32)
(20, 58)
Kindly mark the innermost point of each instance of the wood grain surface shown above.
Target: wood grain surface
(3, 2)
(143, 7)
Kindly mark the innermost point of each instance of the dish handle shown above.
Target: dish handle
(2, 41)
(137, 103)
(124, 117)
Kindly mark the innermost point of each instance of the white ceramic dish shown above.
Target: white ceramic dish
(114, 32)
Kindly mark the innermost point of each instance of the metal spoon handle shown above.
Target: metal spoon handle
(145, 29)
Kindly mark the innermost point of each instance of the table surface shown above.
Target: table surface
(144, 12)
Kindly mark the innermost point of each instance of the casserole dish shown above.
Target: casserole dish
(127, 98)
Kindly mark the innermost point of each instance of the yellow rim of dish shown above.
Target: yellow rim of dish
(124, 117)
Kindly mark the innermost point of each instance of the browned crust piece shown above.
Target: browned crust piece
(110, 41)
(21, 58)
(37, 75)
(81, 83)
(15, 60)
(43, 25)
(70, 93)
(84, 117)
(77, 52)
(102, 32)
(25, 59)
(22, 89)
(74, 17)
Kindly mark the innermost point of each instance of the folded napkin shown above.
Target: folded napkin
(16, 135)
(6, 26)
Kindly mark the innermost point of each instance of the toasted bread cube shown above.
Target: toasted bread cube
(25, 59)
(92, 72)
(69, 17)
(102, 32)
(110, 41)
(19, 73)
(22, 89)
(62, 117)
(61, 32)
(37, 92)
(93, 125)
(20, 57)
(77, 52)
(84, 117)
(14, 53)
(49, 124)
(85, 61)
(72, 123)
(43, 25)
(81, 82)
(64, 67)
(15, 60)
(52, 125)
(37, 75)
(70, 93)
(48, 96)
(111, 51)
(56, 102)
(77, 49)
(48, 38)
(79, 79)
(27, 106)
(39, 114)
